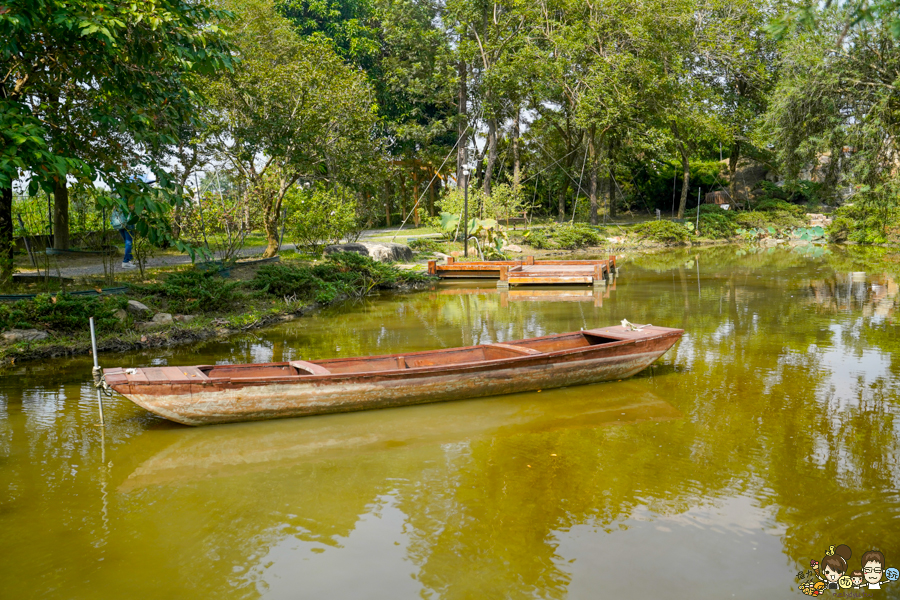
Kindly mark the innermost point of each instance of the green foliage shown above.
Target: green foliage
(194, 291)
(718, 225)
(858, 223)
(342, 273)
(573, 236)
(320, 217)
(777, 204)
(664, 232)
(423, 244)
(62, 313)
(502, 203)
(779, 219)
(538, 239)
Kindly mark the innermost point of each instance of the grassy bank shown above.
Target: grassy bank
(185, 306)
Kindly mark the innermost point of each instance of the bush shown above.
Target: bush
(775, 205)
(193, 291)
(502, 203)
(537, 238)
(718, 225)
(855, 223)
(664, 232)
(345, 273)
(63, 313)
(576, 235)
(778, 219)
(318, 217)
(426, 245)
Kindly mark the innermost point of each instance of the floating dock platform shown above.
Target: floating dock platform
(529, 271)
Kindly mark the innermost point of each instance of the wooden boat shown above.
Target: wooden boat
(207, 394)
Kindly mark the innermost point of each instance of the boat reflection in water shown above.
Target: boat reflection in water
(244, 448)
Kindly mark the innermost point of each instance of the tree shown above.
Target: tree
(92, 89)
(290, 110)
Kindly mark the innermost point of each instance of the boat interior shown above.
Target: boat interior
(436, 358)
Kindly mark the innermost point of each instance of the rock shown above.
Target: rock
(440, 255)
(185, 318)
(24, 335)
(456, 253)
(162, 319)
(121, 315)
(513, 248)
(382, 252)
(137, 308)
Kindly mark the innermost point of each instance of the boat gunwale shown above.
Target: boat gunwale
(541, 357)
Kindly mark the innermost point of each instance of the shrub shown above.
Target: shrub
(576, 235)
(62, 313)
(778, 219)
(193, 291)
(770, 205)
(858, 223)
(320, 216)
(537, 238)
(341, 273)
(666, 232)
(426, 245)
(718, 225)
(502, 203)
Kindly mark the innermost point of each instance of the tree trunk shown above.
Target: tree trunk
(592, 154)
(60, 215)
(611, 208)
(272, 219)
(732, 168)
(387, 201)
(491, 155)
(6, 235)
(461, 125)
(686, 166)
(562, 201)
(415, 196)
(431, 185)
(517, 162)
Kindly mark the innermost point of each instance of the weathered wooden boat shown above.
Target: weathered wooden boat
(206, 394)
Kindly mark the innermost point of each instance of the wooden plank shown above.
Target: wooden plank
(312, 368)
(174, 373)
(519, 349)
(532, 280)
(155, 375)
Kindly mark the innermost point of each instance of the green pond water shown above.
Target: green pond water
(770, 432)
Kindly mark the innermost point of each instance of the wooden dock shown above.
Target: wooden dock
(529, 271)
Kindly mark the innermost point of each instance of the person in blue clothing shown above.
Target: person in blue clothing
(119, 221)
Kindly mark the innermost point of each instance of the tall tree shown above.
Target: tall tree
(128, 66)
(290, 109)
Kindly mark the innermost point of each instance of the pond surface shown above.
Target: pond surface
(770, 432)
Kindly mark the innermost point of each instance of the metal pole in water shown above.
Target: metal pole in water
(96, 369)
(697, 227)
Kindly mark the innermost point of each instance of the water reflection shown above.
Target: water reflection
(769, 433)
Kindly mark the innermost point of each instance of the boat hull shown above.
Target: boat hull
(211, 401)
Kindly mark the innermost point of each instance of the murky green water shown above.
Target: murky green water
(771, 431)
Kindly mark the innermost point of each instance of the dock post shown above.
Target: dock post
(450, 260)
(503, 282)
(432, 267)
(529, 260)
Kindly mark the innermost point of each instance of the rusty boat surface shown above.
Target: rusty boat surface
(208, 394)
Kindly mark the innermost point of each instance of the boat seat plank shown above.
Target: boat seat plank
(310, 367)
(192, 373)
(175, 373)
(155, 375)
(519, 349)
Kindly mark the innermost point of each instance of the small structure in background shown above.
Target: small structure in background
(721, 198)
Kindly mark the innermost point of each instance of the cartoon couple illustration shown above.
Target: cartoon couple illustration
(835, 570)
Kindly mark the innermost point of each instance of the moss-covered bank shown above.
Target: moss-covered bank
(188, 306)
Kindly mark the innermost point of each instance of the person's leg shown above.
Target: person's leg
(126, 235)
